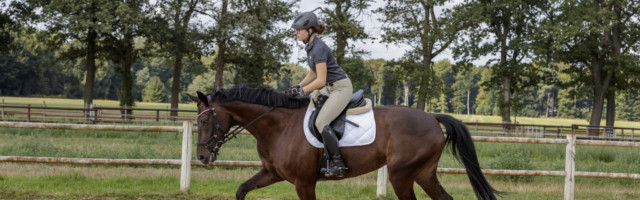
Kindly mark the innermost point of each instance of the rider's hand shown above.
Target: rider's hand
(295, 91)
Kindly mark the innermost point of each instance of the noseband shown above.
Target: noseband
(227, 136)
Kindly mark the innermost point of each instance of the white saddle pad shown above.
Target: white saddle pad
(364, 134)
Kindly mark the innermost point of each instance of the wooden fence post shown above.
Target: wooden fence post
(383, 176)
(44, 111)
(28, 112)
(185, 170)
(2, 108)
(95, 114)
(570, 167)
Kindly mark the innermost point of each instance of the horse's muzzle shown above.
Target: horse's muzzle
(207, 159)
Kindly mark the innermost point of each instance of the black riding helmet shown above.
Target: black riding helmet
(306, 20)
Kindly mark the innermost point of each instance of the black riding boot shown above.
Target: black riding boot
(331, 146)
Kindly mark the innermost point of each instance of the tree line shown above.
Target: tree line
(550, 58)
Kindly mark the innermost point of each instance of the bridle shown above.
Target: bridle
(227, 136)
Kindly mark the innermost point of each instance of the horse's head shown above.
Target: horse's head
(213, 123)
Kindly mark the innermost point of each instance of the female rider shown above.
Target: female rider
(325, 72)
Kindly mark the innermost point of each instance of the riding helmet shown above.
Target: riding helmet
(306, 20)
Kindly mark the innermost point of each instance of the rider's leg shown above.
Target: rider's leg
(331, 145)
(339, 95)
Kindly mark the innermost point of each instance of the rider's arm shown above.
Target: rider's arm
(307, 79)
(320, 79)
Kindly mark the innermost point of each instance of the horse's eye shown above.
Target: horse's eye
(204, 121)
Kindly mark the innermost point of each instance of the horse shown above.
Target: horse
(408, 141)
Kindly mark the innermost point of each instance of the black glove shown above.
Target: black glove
(295, 91)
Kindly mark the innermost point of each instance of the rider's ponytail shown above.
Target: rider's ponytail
(320, 28)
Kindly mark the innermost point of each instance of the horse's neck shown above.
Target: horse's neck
(269, 123)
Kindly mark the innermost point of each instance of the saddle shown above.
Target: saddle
(357, 105)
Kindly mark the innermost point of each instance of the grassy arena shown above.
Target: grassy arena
(57, 181)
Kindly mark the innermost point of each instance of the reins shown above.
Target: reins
(227, 136)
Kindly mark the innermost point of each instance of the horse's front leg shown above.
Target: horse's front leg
(261, 179)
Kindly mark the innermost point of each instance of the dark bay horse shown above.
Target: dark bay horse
(408, 141)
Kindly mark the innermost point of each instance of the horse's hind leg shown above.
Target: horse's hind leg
(261, 179)
(428, 180)
(306, 190)
(402, 182)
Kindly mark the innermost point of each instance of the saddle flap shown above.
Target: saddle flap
(362, 134)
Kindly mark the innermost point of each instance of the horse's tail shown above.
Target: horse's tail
(463, 149)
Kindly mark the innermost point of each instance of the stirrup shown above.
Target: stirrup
(334, 171)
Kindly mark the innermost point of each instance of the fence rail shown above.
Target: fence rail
(43, 113)
(186, 162)
(94, 114)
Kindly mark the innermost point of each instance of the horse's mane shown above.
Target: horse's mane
(262, 95)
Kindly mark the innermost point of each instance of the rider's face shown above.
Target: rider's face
(301, 34)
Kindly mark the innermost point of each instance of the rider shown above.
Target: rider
(326, 72)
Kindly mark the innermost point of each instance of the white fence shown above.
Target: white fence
(186, 162)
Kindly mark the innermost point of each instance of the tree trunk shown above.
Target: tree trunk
(506, 99)
(611, 107)
(91, 68)
(219, 82)
(617, 47)
(596, 112)
(426, 60)
(468, 107)
(126, 88)
(602, 85)
(341, 39)
(553, 103)
(422, 94)
(546, 111)
(175, 86)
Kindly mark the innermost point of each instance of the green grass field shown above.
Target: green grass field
(78, 103)
(57, 181)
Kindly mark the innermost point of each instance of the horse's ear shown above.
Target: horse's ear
(195, 99)
(203, 98)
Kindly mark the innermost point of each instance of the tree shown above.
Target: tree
(597, 39)
(444, 71)
(142, 79)
(155, 91)
(511, 26)
(415, 23)
(72, 21)
(628, 106)
(289, 75)
(223, 29)
(257, 48)
(7, 26)
(376, 88)
(465, 90)
(25, 67)
(342, 24)
(174, 34)
(127, 19)
(390, 82)
(488, 95)
(361, 75)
